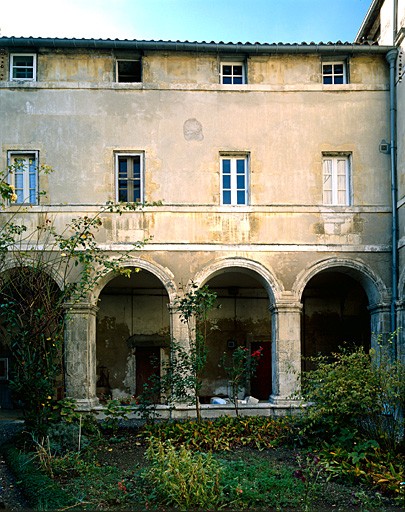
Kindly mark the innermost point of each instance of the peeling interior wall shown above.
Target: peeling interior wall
(335, 312)
(241, 319)
(131, 314)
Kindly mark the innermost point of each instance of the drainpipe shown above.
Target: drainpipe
(391, 58)
(394, 21)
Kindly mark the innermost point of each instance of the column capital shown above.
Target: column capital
(286, 306)
(80, 308)
(400, 304)
(382, 307)
(171, 306)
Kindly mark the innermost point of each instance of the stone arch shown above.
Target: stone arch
(244, 289)
(163, 274)
(33, 288)
(133, 326)
(12, 263)
(273, 287)
(373, 285)
(343, 301)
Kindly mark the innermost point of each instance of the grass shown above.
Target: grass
(257, 467)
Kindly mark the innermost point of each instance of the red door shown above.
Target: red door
(260, 383)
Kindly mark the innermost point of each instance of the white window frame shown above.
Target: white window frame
(233, 75)
(129, 155)
(117, 71)
(26, 191)
(333, 75)
(233, 179)
(13, 67)
(337, 179)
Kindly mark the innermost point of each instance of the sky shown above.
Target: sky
(263, 21)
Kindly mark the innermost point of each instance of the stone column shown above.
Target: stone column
(180, 334)
(401, 331)
(178, 329)
(286, 352)
(380, 316)
(80, 354)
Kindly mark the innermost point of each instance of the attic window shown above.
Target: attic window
(334, 72)
(23, 66)
(129, 70)
(233, 73)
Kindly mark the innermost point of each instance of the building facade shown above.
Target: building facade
(274, 184)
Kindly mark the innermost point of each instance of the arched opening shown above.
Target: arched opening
(242, 320)
(31, 337)
(133, 330)
(335, 310)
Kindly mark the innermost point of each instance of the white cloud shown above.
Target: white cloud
(65, 18)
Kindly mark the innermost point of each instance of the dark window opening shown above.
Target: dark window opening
(129, 71)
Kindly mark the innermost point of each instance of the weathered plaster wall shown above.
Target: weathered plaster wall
(181, 119)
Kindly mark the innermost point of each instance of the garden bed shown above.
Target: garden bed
(254, 466)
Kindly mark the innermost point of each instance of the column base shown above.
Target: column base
(86, 404)
(285, 401)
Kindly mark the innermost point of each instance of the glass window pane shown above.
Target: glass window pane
(226, 182)
(327, 69)
(240, 166)
(237, 70)
(19, 180)
(338, 80)
(123, 195)
(226, 196)
(227, 70)
(23, 73)
(137, 194)
(122, 167)
(23, 60)
(137, 168)
(240, 182)
(327, 79)
(227, 80)
(241, 197)
(237, 80)
(32, 181)
(226, 166)
(338, 69)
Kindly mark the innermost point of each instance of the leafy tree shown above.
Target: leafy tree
(239, 367)
(187, 364)
(32, 305)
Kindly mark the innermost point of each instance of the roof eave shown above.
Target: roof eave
(202, 47)
(371, 15)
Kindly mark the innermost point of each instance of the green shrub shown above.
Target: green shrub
(182, 478)
(40, 490)
(66, 437)
(356, 393)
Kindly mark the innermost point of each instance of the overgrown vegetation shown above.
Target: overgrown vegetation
(44, 271)
(357, 394)
(229, 463)
(239, 367)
